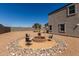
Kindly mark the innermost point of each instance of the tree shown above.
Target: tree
(37, 26)
(46, 25)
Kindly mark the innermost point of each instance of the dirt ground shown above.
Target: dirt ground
(37, 45)
(72, 45)
(72, 42)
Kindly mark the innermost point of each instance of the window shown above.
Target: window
(71, 10)
(50, 27)
(61, 28)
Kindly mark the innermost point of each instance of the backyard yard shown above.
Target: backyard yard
(12, 43)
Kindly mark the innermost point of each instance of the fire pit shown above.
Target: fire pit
(39, 38)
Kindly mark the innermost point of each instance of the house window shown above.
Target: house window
(61, 28)
(71, 10)
(50, 27)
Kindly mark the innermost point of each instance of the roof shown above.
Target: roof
(59, 9)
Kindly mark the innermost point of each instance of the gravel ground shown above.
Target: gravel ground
(65, 45)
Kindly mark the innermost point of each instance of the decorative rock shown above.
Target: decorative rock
(13, 54)
(15, 50)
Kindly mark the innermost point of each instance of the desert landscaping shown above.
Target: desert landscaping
(29, 30)
(13, 44)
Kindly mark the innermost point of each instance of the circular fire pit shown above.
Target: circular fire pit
(39, 38)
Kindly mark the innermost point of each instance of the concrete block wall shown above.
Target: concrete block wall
(4, 29)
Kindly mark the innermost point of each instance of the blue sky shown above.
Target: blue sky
(26, 14)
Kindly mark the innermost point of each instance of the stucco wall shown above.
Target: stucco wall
(61, 17)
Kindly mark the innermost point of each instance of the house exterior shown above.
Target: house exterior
(65, 21)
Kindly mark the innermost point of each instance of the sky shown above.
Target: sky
(26, 14)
